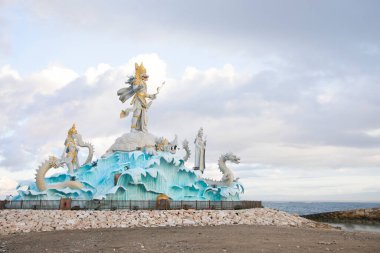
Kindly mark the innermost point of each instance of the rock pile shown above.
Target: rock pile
(16, 221)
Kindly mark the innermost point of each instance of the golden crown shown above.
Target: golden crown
(140, 71)
(72, 130)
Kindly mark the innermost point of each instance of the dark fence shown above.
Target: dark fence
(32, 204)
(67, 204)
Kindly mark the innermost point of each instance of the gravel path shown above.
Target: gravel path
(236, 238)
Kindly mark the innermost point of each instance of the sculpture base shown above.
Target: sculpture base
(132, 176)
(134, 141)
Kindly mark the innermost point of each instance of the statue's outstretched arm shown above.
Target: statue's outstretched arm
(154, 96)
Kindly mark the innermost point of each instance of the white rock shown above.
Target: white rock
(12, 221)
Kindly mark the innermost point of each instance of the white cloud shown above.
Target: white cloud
(226, 76)
(6, 71)
(373, 132)
(53, 78)
(92, 74)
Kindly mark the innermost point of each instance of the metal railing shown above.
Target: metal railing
(32, 204)
(72, 204)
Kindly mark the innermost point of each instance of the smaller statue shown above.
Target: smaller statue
(69, 158)
(200, 151)
(70, 154)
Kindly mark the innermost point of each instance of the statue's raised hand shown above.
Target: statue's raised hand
(125, 113)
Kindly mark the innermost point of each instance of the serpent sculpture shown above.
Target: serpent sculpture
(228, 176)
(185, 146)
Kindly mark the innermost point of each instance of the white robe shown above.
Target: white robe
(139, 105)
(200, 152)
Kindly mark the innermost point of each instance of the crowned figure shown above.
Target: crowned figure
(137, 90)
(70, 153)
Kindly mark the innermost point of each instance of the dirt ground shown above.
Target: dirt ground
(239, 238)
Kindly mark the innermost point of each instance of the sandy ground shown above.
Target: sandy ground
(237, 238)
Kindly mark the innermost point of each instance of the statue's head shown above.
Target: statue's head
(140, 74)
(200, 132)
(72, 130)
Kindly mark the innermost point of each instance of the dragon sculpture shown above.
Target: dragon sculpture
(228, 176)
(185, 146)
(162, 144)
(69, 158)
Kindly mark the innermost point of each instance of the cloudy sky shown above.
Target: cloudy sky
(292, 87)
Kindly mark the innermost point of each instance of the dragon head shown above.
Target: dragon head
(164, 145)
(231, 158)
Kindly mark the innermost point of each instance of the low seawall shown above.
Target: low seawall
(163, 204)
(360, 216)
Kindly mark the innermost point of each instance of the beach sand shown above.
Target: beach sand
(233, 238)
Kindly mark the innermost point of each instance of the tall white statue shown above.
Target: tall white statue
(138, 90)
(200, 151)
(139, 138)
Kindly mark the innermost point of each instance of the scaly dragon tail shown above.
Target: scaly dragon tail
(185, 145)
(88, 145)
(52, 162)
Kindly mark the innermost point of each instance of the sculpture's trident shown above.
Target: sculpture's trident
(158, 91)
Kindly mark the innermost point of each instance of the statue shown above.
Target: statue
(69, 158)
(139, 138)
(70, 154)
(200, 151)
(138, 90)
(137, 166)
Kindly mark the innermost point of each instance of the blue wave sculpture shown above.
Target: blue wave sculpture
(138, 166)
(140, 177)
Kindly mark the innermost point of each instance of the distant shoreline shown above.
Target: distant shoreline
(306, 208)
(357, 216)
